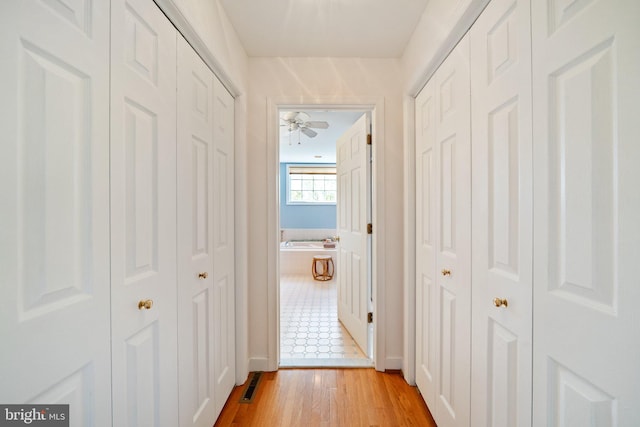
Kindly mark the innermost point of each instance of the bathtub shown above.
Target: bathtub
(296, 257)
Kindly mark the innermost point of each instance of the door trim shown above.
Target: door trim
(376, 106)
(409, 266)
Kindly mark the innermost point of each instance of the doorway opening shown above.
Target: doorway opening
(315, 328)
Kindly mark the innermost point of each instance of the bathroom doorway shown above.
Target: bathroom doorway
(310, 331)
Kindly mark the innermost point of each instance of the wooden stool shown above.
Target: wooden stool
(326, 262)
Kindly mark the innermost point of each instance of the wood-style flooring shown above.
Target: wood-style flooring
(328, 397)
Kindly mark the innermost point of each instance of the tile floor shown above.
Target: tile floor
(310, 333)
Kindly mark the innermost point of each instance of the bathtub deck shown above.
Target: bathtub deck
(297, 260)
(310, 333)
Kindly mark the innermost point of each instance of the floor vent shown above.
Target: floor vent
(252, 386)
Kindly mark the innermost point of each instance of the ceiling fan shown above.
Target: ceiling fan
(299, 120)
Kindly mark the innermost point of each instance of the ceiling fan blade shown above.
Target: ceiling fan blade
(289, 116)
(317, 125)
(308, 132)
(302, 117)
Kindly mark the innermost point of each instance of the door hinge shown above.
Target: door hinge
(369, 317)
(369, 228)
(368, 139)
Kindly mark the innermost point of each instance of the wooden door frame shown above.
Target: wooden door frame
(374, 105)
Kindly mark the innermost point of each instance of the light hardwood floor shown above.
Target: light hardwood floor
(328, 397)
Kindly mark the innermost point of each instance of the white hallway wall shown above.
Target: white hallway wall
(321, 79)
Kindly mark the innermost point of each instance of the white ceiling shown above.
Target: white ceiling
(322, 28)
(323, 144)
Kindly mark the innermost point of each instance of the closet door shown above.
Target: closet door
(196, 311)
(586, 65)
(143, 215)
(54, 209)
(444, 225)
(502, 215)
(224, 360)
(453, 225)
(426, 321)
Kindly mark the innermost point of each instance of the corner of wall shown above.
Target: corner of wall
(259, 364)
(393, 364)
(442, 25)
(208, 30)
(409, 232)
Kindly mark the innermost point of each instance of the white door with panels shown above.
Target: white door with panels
(443, 306)
(426, 320)
(501, 215)
(54, 188)
(224, 359)
(353, 197)
(143, 215)
(453, 222)
(586, 65)
(195, 166)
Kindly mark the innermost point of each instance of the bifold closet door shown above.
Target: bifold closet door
(206, 291)
(444, 292)
(224, 295)
(196, 309)
(143, 215)
(54, 188)
(502, 215)
(586, 64)
(426, 320)
(453, 249)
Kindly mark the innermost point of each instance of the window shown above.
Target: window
(313, 184)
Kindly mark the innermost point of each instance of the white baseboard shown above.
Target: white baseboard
(258, 364)
(393, 363)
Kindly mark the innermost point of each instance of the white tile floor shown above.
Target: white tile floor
(310, 332)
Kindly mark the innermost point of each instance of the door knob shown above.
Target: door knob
(145, 303)
(203, 275)
(446, 272)
(500, 302)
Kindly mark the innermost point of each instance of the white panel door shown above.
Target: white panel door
(195, 172)
(351, 168)
(586, 64)
(443, 240)
(54, 209)
(426, 321)
(143, 215)
(502, 215)
(453, 243)
(224, 355)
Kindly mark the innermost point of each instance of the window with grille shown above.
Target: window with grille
(313, 184)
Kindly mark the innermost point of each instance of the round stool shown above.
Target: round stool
(326, 264)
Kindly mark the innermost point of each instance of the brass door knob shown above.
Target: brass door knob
(203, 275)
(446, 272)
(145, 303)
(500, 302)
